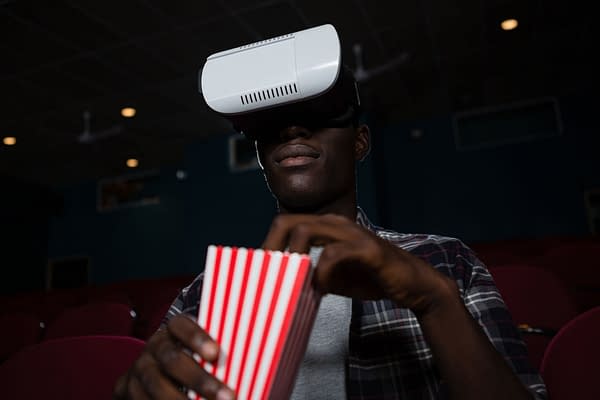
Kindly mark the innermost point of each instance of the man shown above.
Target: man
(419, 316)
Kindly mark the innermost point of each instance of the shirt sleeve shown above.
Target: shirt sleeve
(484, 302)
(186, 302)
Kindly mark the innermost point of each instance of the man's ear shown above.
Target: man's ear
(362, 145)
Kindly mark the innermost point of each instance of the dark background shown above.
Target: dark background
(429, 64)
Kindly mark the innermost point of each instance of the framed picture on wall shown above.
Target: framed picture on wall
(242, 154)
(517, 122)
(128, 191)
(68, 272)
(592, 207)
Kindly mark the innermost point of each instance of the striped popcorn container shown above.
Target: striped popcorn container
(260, 306)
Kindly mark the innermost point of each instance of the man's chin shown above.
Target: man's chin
(300, 202)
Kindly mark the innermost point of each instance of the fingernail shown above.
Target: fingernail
(198, 341)
(209, 350)
(225, 394)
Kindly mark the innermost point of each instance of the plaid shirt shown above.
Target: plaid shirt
(388, 355)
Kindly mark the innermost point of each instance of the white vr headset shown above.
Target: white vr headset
(275, 72)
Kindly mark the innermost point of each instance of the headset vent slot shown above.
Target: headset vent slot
(268, 94)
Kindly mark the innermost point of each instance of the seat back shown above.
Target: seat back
(538, 299)
(73, 368)
(102, 318)
(19, 330)
(153, 321)
(534, 295)
(578, 265)
(571, 364)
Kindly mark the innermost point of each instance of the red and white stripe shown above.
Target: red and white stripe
(260, 307)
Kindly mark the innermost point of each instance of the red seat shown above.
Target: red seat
(57, 300)
(19, 330)
(107, 293)
(23, 302)
(76, 368)
(152, 322)
(578, 265)
(149, 295)
(535, 298)
(572, 361)
(92, 319)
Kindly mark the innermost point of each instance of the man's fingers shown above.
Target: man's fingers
(147, 375)
(298, 232)
(121, 387)
(193, 337)
(209, 387)
(329, 260)
(342, 270)
(136, 391)
(277, 237)
(181, 367)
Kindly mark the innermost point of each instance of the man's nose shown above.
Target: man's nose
(293, 132)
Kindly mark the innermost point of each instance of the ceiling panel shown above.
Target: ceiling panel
(63, 57)
(274, 20)
(184, 53)
(133, 18)
(105, 78)
(62, 87)
(345, 16)
(137, 65)
(186, 12)
(25, 49)
(62, 23)
(219, 34)
(395, 13)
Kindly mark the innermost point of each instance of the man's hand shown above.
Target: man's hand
(166, 366)
(357, 263)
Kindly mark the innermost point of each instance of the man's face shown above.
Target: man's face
(306, 169)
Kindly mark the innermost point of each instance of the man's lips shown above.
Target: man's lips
(292, 155)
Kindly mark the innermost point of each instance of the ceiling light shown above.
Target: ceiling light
(132, 163)
(128, 112)
(509, 24)
(9, 140)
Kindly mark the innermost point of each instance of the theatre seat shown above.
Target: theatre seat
(578, 265)
(538, 302)
(19, 330)
(74, 368)
(571, 364)
(152, 321)
(103, 318)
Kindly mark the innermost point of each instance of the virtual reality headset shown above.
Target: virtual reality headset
(295, 79)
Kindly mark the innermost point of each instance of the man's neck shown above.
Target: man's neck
(345, 206)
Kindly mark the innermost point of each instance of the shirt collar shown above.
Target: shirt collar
(363, 220)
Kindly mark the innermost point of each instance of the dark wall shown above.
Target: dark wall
(520, 190)
(527, 189)
(125, 243)
(25, 209)
(211, 206)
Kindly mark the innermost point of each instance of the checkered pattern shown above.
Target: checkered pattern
(388, 355)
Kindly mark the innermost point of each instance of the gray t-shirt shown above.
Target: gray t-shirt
(322, 372)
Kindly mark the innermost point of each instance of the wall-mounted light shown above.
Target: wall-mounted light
(509, 24)
(9, 140)
(181, 174)
(128, 112)
(132, 163)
